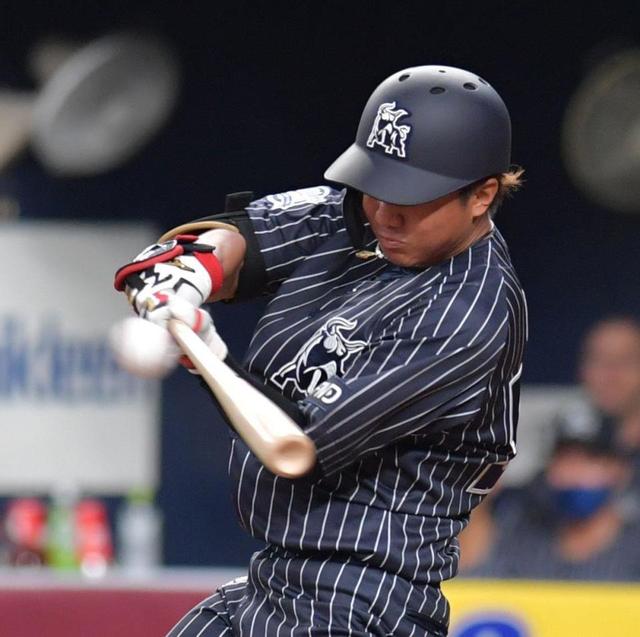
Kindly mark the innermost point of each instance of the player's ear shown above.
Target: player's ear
(482, 196)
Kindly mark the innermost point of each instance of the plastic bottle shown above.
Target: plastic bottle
(139, 528)
(25, 526)
(61, 536)
(94, 547)
(5, 545)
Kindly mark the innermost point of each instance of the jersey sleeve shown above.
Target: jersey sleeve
(280, 232)
(290, 226)
(429, 369)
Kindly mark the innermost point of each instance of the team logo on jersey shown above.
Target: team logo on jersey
(324, 355)
(327, 392)
(296, 198)
(387, 133)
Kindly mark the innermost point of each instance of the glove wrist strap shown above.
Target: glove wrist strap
(182, 245)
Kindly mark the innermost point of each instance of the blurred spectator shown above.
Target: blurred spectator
(479, 540)
(610, 374)
(482, 541)
(579, 518)
(573, 523)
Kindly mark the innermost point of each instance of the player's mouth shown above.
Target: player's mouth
(389, 243)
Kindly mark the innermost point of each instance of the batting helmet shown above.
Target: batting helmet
(426, 131)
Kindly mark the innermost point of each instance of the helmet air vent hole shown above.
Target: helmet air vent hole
(404, 77)
(441, 71)
(436, 90)
(470, 86)
(483, 81)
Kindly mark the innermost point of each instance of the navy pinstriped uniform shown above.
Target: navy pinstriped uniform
(408, 379)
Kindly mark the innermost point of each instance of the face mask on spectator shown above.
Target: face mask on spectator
(580, 503)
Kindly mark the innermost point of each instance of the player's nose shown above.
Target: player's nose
(389, 215)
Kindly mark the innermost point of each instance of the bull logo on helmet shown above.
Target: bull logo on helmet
(324, 355)
(386, 131)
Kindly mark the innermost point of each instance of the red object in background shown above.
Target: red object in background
(92, 613)
(25, 526)
(47, 603)
(94, 546)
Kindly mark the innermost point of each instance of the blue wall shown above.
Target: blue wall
(270, 97)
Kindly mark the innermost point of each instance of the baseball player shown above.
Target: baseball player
(394, 337)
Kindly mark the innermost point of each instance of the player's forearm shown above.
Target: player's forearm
(230, 250)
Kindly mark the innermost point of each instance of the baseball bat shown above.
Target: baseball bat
(269, 432)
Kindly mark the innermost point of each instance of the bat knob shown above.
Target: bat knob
(293, 457)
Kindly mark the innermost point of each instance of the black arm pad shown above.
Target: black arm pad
(290, 408)
(253, 275)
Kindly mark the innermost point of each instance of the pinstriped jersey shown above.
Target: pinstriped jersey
(408, 380)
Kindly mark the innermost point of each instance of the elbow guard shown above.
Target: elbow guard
(253, 276)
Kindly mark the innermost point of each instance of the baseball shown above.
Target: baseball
(142, 348)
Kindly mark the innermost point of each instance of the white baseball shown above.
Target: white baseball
(143, 348)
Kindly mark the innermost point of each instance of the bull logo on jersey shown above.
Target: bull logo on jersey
(324, 355)
(387, 133)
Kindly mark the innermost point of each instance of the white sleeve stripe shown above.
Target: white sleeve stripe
(296, 240)
(451, 301)
(315, 255)
(424, 370)
(473, 304)
(480, 379)
(407, 380)
(293, 223)
(313, 275)
(281, 265)
(489, 315)
(401, 424)
(323, 283)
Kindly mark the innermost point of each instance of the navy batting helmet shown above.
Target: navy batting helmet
(426, 131)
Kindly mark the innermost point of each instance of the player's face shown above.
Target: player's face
(429, 233)
(575, 468)
(610, 367)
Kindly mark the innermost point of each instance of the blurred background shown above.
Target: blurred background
(119, 120)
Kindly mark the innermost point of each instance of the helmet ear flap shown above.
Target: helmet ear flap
(354, 217)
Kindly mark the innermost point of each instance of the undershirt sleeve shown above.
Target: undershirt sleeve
(289, 407)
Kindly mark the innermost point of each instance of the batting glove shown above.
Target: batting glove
(182, 267)
(158, 308)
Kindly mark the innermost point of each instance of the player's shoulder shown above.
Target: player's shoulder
(499, 258)
(490, 279)
(300, 200)
(472, 298)
(476, 276)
